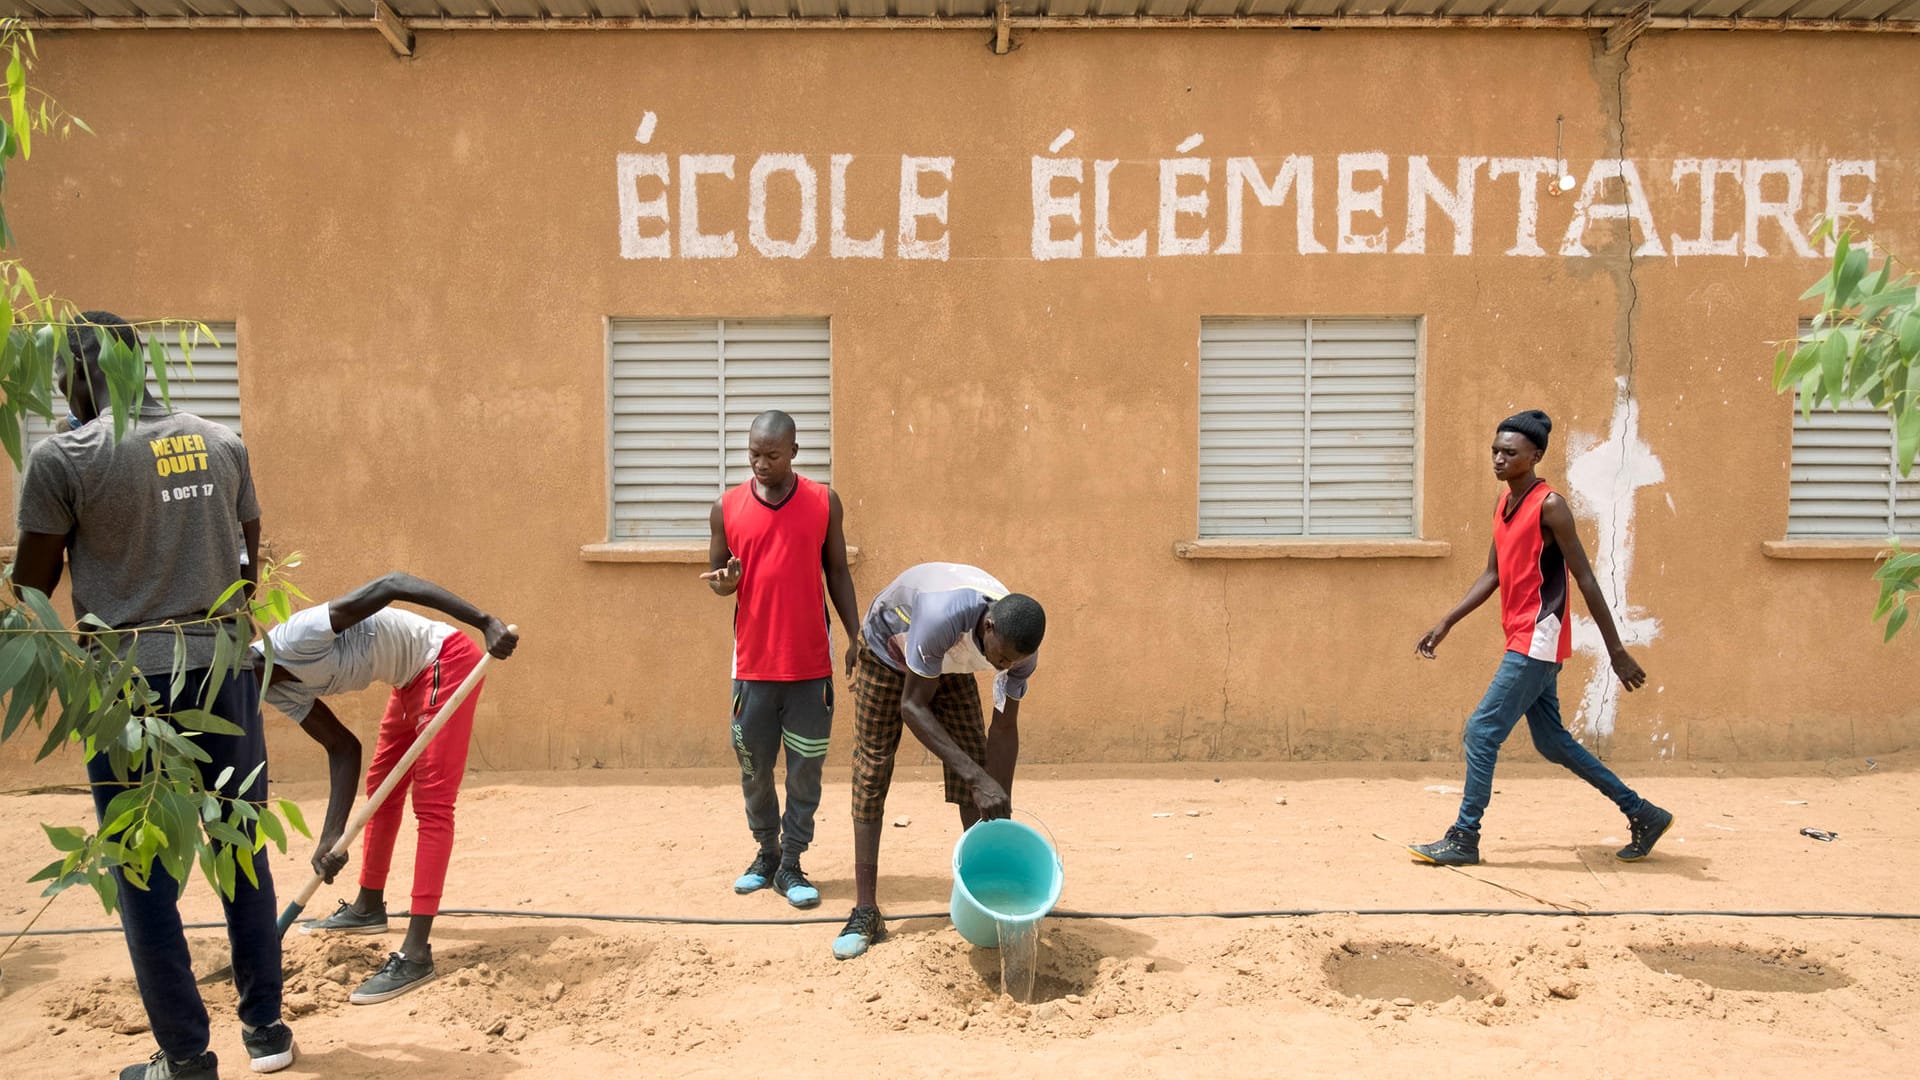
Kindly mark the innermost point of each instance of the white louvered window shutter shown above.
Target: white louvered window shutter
(683, 393)
(211, 390)
(1307, 427)
(1842, 481)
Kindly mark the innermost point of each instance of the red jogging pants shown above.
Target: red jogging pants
(434, 780)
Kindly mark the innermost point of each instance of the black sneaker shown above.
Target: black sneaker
(791, 882)
(398, 975)
(759, 875)
(204, 1067)
(864, 927)
(269, 1048)
(345, 920)
(1649, 825)
(1458, 848)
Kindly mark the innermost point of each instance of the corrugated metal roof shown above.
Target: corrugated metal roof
(1860, 13)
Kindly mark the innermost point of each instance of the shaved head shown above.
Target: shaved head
(773, 424)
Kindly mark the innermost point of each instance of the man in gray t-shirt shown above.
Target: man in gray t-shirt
(924, 637)
(153, 526)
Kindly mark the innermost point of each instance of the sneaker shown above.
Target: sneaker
(398, 975)
(864, 927)
(345, 920)
(759, 875)
(204, 1067)
(269, 1048)
(1649, 825)
(1458, 848)
(791, 882)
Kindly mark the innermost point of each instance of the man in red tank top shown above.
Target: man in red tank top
(772, 539)
(1535, 545)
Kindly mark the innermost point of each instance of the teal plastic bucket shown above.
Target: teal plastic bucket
(1003, 872)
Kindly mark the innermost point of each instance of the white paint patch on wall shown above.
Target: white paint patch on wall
(1605, 477)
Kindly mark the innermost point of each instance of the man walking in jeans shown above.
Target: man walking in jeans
(773, 538)
(1535, 544)
(153, 525)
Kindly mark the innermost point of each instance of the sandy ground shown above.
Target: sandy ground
(1335, 994)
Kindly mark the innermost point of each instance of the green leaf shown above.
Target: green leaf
(1908, 427)
(58, 734)
(50, 871)
(295, 817)
(245, 859)
(130, 801)
(1833, 369)
(1910, 334)
(109, 893)
(232, 590)
(223, 650)
(226, 774)
(17, 94)
(227, 834)
(42, 610)
(252, 775)
(202, 720)
(1851, 266)
(16, 656)
(120, 823)
(157, 363)
(270, 825)
(65, 838)
(28, 695)
(223, 872)
(1896, 621)
(179, 680)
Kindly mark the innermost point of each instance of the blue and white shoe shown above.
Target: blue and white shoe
(864, 927)
(791, 882)
(759, 875)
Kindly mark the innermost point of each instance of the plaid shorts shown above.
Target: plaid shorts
(877, 690)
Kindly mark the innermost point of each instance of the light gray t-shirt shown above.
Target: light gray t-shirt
(389, 646)
(923, 623)
(154, 521)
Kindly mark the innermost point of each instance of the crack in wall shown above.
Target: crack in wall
(1604, 476)
(1226, 671)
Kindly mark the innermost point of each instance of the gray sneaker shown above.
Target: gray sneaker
(345, 920)
(157, 1067)
(398, 975)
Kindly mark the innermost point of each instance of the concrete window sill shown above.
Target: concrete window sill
(1313, 549)
(1824, 549)
(662, 551)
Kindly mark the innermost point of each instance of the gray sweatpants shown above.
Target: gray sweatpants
(767, 715)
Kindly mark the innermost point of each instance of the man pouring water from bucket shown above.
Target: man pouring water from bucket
(922, 640)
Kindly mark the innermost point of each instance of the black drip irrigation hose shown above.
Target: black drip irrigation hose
(1256, 913)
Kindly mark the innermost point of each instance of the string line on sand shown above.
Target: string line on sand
(1119, 916)
(1521, 893)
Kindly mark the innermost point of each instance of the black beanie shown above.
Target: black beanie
(1533, 423)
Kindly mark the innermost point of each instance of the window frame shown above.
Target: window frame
(1411, 542)
(636, 548)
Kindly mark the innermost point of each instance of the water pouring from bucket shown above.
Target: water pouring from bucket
(1006, 878)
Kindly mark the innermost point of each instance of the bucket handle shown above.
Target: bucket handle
(1051, 839)
(1050, 836)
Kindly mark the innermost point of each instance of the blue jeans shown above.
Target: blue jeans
(767, 716)
(1525, 686)
(151, 916)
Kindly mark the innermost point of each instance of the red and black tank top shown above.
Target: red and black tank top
(1533, 580)
(780, 613)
